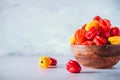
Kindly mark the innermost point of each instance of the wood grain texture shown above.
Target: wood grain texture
(97, 56)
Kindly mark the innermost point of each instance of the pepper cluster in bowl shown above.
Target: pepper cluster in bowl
(99, 31)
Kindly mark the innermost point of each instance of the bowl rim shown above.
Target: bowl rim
(114, 48)
(95, 45)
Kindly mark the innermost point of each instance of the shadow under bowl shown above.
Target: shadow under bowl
(95, 56)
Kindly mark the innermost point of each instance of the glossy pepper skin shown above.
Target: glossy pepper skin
(99, 40)
(79, 36)
(114, 40)
(72, 40)
(53, 61)
(73, 66)
(91, 33)
(44, 62)
(115, 31)
(105, 34)
(98, 18)
(94, 23)
(88, 42)
(105, 24)
(97, 32)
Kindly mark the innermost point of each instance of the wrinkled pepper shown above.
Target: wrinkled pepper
(79, 36)
(105, 24)
(99, 40)
(114, 40)
(73, 66)
(91, 33)
(44, 62)
(105, 34)
(115, 31)
(98, 18)
(88, 43)
(53, 61)
(94, 23)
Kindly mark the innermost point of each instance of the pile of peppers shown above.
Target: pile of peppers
(98, 31)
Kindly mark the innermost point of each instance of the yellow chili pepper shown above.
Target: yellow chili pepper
(44, 62)
(93, 23)
(72, 40)
(114, 40)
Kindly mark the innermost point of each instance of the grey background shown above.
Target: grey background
(43, 27)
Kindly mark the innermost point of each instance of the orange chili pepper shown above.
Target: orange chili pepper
(79, 36)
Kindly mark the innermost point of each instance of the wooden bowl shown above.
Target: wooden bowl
(95, 56)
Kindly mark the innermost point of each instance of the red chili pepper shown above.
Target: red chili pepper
(73, 66)
(104, 33)
(88, 43)
(53, 61)
(96, 42)
(99, 40)
(115, 31)
(90, 34)
(105, 24)
(79, 36)
(98, 18)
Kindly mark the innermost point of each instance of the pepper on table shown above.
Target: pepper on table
(73, 66)
(53, 61)
(46, 62)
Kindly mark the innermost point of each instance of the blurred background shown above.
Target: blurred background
(44, 27)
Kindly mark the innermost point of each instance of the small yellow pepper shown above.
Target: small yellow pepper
(72, 40)
(44, 62)
(114, 40)
(93, 23)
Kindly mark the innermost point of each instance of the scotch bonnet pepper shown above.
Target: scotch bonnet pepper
(114, 40)
(91, 33)
(94, 23)
(73, 66)
(53, 61)
(46, 61)
(98, 32)
(88, 42)
(98, 18)
(72, 40)
(105, 24)
(115, 31)
(99, 40)
(79, 36)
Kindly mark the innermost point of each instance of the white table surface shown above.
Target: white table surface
(26, 68)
